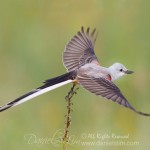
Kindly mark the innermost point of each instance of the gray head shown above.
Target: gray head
(118, 70)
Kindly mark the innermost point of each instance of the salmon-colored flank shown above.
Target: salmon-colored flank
(109, 77)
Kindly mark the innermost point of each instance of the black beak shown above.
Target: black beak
(128, 72)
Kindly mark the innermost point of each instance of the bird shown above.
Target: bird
(83, 68)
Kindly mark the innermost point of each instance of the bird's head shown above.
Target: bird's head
(118, 70)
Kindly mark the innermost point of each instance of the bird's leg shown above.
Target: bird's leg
(68, 117)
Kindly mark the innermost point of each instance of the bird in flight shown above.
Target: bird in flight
(83, 68)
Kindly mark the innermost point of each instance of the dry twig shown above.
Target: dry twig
(68, 117)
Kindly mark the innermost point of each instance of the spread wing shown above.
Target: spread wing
(107, 89)
(80, 50)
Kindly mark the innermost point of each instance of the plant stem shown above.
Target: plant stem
(68, 116)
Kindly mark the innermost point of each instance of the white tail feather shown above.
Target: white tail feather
(40, 92)
(37, 93)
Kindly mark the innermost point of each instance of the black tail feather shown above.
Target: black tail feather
(70, 75)
(47, 83)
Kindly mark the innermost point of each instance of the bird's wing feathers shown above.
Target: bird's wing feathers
(107, 89)
(80, 50)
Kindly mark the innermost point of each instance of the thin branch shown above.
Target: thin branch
(68, 116)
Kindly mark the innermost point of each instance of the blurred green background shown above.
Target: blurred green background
(33, 34)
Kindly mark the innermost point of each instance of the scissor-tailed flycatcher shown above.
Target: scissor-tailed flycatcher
(83, 68)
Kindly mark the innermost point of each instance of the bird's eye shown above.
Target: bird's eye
(121, 70)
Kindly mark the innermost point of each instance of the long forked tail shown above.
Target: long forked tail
(49, 85)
